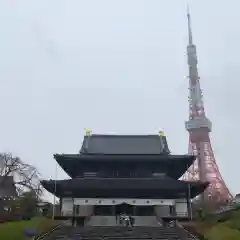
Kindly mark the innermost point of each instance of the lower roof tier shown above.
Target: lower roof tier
(125, 187)
(173, 165)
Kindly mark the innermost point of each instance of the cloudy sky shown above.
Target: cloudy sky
(115, 66)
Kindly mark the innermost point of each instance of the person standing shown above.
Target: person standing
(131, 219)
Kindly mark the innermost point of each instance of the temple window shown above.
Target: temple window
(158, 174)
(89, 174)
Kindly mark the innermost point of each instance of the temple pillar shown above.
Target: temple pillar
(189, 204)
(60, 203)
(134, 210)
(188, 207)
(113, 208)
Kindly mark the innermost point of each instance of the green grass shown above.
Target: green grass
(15, 230)
(222, 232)
(228, 229)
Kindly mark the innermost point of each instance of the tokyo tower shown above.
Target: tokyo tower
(205, 167)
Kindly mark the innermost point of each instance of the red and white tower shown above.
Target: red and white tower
(205, 167)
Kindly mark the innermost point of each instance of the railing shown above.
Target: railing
(181, 214)
(173, 215)
(190, 234)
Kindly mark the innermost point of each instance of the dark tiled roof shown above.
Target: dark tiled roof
(7, 187)
(173, 165)
(107, 183)
(124, 144)
(142, 185)
(126, 157)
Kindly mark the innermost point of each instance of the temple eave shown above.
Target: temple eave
(119, 188)
(174, 165)
(124, 157)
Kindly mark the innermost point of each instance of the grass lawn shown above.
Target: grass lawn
(226, 230)
(222, 232)
(15, 230)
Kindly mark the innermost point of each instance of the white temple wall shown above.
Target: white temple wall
(181, 207)
(67, 207)
(162, 211)
(116, 201)
(86, 205)
(85, 211)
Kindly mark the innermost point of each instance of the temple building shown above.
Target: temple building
(8, 193)
(131, 174)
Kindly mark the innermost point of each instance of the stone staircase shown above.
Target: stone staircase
(112, 221)
(120, 233)
(142, 221)
(101, 221)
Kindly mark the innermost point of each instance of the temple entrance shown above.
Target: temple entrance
(124, 208)
(114, 210)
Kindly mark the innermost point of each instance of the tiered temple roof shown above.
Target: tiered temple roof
(173, 165)
(133, 188)
(124, 144)
(141, 154)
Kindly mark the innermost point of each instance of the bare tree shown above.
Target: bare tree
(26, 176)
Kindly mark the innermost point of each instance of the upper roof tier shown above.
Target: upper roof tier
(149, 152)
(173, 166)
(124, 144)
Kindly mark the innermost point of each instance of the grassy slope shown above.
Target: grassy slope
(15, 230)
(229, 229)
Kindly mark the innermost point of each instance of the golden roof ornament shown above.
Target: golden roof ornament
(161, 133)
(88, 132)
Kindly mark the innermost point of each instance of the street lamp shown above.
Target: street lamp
(55, 190)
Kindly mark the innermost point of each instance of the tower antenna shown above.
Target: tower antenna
(190, 39)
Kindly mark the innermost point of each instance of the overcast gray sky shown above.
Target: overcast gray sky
(115, 66)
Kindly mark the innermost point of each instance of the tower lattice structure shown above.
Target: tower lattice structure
(199, 126)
